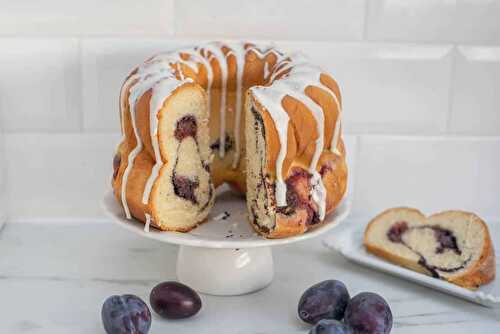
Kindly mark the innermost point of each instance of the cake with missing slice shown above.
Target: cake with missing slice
(266, 122)
(453, 245)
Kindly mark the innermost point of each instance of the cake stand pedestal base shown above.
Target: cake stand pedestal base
(225, 271)
(224, 256)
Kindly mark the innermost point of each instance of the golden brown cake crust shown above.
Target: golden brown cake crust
(143, 163)
(332, 166)
(482, 272)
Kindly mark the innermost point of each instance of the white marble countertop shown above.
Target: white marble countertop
(54, 278)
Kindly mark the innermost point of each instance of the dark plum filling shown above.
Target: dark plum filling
(228, 144)
(446, 240)
(297, 186)
(261, 185)
(432, 269)
(395, 233)
(444, 237)
(326, 168)
(116, 164)
(185, 127)
(298, 196)
(184, 187)
(292, 200)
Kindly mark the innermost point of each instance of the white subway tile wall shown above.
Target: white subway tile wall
(477, 21)
(105, 64)
(411, 20)
(58, 176)
(276, 19)
(433, 174)
(460, 21)
(476, 88)
(90, 17)
(388, 88)
(419, 80)
(3, 177)
(40, 84)
(351, 146)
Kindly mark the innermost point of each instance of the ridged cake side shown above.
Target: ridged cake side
(224, 72)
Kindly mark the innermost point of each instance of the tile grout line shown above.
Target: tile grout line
(189, 37)
(451, 90)
(80, 78)
(365, 23)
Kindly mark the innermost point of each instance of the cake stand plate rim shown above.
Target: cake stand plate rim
(114, 212)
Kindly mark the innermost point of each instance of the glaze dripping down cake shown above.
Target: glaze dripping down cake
(267, 123)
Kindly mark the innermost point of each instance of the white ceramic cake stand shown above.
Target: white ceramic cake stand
(222, 256)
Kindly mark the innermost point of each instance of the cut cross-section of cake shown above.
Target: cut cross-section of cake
(175, 187)
(453, 245)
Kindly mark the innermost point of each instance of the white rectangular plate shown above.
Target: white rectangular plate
(349, 243)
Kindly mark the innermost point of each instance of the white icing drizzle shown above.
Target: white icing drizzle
(165, 60)
(217, 53)
(238, 51)
(280, 118)
(195, 58)
(294, 83)
(179, 70)
(280, 69)
(306, 68)
(152, 73)
(318, 193)
(262, 53)
(157, 74)
(210, 74)
(268, 99)
(148, 223)
(161, 91)
(124, 89)
(266, 70)
(136, 91)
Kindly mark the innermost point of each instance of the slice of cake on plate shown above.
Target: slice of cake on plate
(453, 245)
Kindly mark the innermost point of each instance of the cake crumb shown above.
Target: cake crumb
(223, 216)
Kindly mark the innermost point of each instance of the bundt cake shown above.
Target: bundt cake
(452, 245)
(184, 133)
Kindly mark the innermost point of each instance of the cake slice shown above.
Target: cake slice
(172, 187)
(453, 245)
